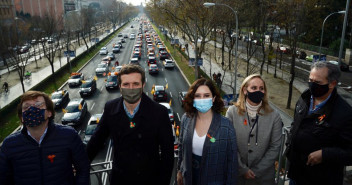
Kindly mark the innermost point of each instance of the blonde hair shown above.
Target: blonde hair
(241, 102)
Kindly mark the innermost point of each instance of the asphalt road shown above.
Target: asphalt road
(96, 102)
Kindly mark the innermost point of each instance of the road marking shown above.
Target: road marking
(178, 116)
(92, 106)
(101, 89)
(165, 80)
(162, 69)
(170, 94)
(146, 93)
(146, 80)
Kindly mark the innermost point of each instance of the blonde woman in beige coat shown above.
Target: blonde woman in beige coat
(258, 131)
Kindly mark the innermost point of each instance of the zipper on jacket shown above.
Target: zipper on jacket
(41, 164)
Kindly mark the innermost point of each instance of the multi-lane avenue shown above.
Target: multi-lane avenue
(95, 103)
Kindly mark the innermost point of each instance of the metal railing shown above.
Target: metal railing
(281, 171)
(103, 173)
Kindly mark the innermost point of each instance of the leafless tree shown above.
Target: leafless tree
(52, 29)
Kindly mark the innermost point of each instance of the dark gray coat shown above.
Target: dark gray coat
(219, 159)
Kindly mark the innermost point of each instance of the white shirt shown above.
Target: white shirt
(197, 144)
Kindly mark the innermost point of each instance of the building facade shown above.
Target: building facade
(7, 10)
(41, 7)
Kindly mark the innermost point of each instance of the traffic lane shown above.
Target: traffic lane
(176, 83)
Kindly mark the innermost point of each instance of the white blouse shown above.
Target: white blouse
(197, 144)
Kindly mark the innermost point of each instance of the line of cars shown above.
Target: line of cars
(75, 110)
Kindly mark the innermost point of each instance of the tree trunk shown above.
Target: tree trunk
(292, 72)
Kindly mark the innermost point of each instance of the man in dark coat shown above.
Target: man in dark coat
(320, 139)
(42, 152)
(141, 132)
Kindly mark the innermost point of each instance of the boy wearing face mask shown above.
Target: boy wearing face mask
(42, 152)
(141, 132)
(258, 130)
(320, 139)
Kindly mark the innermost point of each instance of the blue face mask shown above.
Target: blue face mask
(203, 105)
(33, 116)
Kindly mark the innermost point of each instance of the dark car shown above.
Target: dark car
(159, 93)
(91, 126)
(163, 55)
(153, 69)
(301, 54)
(111, 82)
(119, 35)
(136, 54)
(151, 60)
(75, 79)
(75, 112)
(116, 49)
(343, 66)
(60, 98)
(111, 56)
(24, 49)
(123, 40)
(181, 97)
(88, 87)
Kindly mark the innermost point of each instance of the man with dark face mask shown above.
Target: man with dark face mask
(320, 140)
(42, 152)
(141, 132)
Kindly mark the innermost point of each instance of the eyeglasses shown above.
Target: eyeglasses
(37, 105)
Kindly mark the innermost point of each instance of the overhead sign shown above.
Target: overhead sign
(191, 62)
(94, 40)
(175, 41)
(316, 58)
(70, 53)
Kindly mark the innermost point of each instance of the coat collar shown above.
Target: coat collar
(214, 126)
(51, 128)
(326, 109)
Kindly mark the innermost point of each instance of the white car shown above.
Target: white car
(91, 126)
(134, 61)
(168, 63)
(170, 111)
(132, 36)
(103, 51)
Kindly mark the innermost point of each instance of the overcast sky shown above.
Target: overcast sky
(135, 2)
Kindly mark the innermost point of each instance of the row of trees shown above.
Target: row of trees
(301, 20)
(51, 34)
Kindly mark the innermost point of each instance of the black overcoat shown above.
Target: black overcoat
(142, 154)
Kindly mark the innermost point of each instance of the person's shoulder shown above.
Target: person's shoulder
(113, 101)
(64, 129)
(12, 139)
(342, 104)
(225, 122)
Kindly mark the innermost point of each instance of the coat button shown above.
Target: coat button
(250, 151)
(139, 136)
(251, 135)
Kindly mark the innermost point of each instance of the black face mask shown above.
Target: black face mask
(256, 96)
(318, 90)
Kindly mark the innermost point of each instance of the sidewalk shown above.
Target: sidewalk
(16, 90)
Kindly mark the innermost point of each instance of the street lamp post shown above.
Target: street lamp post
(322, 29)
(236, 48)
